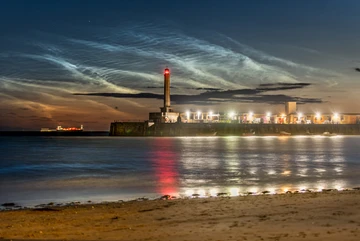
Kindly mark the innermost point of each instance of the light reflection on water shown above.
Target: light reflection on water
(119, 168)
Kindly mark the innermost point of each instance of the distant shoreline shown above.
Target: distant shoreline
(54, 133)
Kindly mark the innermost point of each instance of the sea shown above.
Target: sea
(38, 170)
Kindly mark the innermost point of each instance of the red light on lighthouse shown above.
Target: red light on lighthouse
(166, 71)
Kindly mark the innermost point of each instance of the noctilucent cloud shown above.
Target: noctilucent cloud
(92, 62)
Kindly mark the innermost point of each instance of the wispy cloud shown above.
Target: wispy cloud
(129, 58)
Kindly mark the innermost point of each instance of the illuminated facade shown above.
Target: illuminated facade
(290, 108)
(290, 116)
(268, 118)
(231, 117)
(327, 118)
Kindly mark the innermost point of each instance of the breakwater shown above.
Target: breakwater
(227, 129)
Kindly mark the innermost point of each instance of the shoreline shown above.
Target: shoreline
(327, 215)
(12, 206)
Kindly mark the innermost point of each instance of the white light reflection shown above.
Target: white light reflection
(272, 190)
(234, 192)
(272, 172)
(201, 192)
(253, 190)
(319, 170)
(285, 189)
(339, 188)
(213, 192)
(286, 173)
(320, 188)
(302, 172)
(252, 170)
(302, 188)
(189, 192)
(340, 185)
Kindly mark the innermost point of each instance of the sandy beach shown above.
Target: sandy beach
(332, 215)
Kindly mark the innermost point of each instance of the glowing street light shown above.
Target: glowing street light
(231, 115)
(187, 114)
(251, 113)
(268, 114)
(336, 115)
(318, 115)
(299, 115)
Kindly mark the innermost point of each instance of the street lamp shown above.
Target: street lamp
(231, 115)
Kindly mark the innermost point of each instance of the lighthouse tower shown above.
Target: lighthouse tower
(166, 107)
(166, 114)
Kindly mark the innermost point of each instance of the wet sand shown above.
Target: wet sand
(327, 216)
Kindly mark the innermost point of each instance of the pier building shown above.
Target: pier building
(198, 122)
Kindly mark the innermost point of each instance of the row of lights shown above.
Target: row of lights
(231, 114)
(236, 191)
(268, 114)
(318, 115)
(198, 114)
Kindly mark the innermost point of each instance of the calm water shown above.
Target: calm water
(36, 170)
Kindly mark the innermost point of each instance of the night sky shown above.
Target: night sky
(92, 62)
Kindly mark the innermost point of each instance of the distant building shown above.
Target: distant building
(290, 108)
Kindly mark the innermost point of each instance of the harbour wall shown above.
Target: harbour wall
(128, 129)
(227, 129)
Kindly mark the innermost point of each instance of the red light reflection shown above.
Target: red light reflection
(163, 160)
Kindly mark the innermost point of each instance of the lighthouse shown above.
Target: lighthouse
(166, 107)
(166, 114)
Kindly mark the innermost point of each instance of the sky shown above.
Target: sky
(92, 62)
